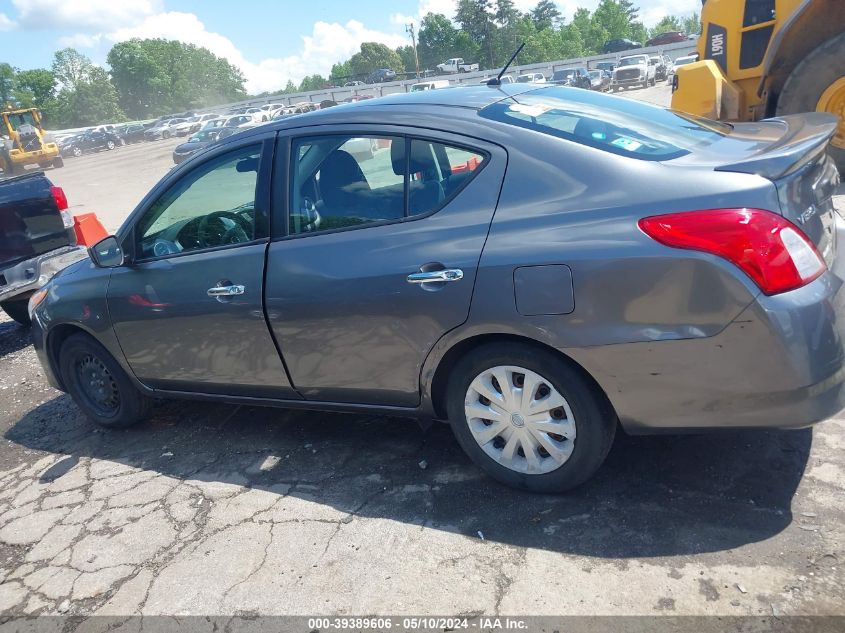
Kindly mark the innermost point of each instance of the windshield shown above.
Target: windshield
(564, 74)
(620, 126)
(595, 74)
(632, 61)
(24, 118)
(202, 136)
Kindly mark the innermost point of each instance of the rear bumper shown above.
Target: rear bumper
(28, 276)
(779, 364)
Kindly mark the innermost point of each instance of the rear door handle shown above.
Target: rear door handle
(225, 291)
(436, 276)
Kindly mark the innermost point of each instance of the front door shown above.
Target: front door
(188, 310)
(384, 237)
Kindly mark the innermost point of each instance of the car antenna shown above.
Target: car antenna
(497, 81)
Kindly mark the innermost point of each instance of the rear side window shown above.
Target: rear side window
(351, 181)
(619, 126)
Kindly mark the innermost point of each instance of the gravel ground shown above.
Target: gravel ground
(223, 510)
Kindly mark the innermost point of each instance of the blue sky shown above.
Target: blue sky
(270, 41)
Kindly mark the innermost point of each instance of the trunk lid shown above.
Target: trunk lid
(791, 152)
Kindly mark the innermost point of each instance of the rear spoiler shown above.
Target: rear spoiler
(806, 137)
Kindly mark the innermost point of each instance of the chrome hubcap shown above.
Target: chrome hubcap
(520, 420)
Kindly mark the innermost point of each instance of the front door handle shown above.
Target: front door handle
(436, 276)
(225, 291)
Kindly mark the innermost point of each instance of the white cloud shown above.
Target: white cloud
(328, 43)
(80, 40)
(83, 15)
(6, 23)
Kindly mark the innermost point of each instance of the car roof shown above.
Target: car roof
(473, 97)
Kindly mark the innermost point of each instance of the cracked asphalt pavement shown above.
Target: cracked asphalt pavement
(223, 510)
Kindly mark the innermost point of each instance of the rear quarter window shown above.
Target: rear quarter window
(613, 124)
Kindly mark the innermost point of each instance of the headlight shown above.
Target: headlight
(36, 299)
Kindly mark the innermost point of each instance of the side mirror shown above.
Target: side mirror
(107, 253)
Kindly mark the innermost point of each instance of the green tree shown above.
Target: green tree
(630, 10)
(35, 88)
(156, 76)
(91, 102)
(437, 40)
(691, 24)
(475, 18)
(611, 18)
(545, 15)
(341, 72)
(639, 33)
(571, 41)
(409, 62)
(668, 23)
(7, 84)
(141, 83)
(313, 82)
(70, 67)
(374, 55)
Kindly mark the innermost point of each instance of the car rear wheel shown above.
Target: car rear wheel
(98, 385)
(58, 161)
(110, 144)
(528, 418)
(18, 310)
(76, 151)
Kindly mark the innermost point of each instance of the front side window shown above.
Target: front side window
(347, 181)
(214, 205)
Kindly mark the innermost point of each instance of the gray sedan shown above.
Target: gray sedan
(534, 265)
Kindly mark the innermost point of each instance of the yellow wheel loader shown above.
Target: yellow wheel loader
(22, 142)
(765, 58)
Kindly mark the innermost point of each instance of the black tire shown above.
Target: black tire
(76, 151)
(110, 145)
(110, 399)
(58, 161)
(594, 416)
(18, 310)
(808, 81)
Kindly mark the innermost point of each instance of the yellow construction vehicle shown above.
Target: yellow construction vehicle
(22, 142)
(764, 58)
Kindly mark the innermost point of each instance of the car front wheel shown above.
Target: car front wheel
(529, 418)
(110, 144)
(98, 385)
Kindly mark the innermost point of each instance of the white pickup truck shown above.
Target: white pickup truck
(634, 71)
(456, 65)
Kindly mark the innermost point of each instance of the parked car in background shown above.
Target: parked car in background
(600, 80)
(457, 65)
(577, 77)
(201, 120)
(131, 133)
(184, 128)
(670, 37)
(633, 71)
(478, 269)
(680, 61)
(605, 65)
(668, 67)
(352, 84)
(241, 121)
(89, 142)
(196, 142)
(620, 44)
(661, 71)
(37, 239)
(162, 130)
(531, 78)
(211, 124)
(434, 84)
(381, 75)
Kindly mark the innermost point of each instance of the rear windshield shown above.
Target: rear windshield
(613, 124)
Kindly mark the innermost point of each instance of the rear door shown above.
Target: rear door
(378, 257)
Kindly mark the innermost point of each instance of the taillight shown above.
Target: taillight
(767, 247)
(60, 197)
